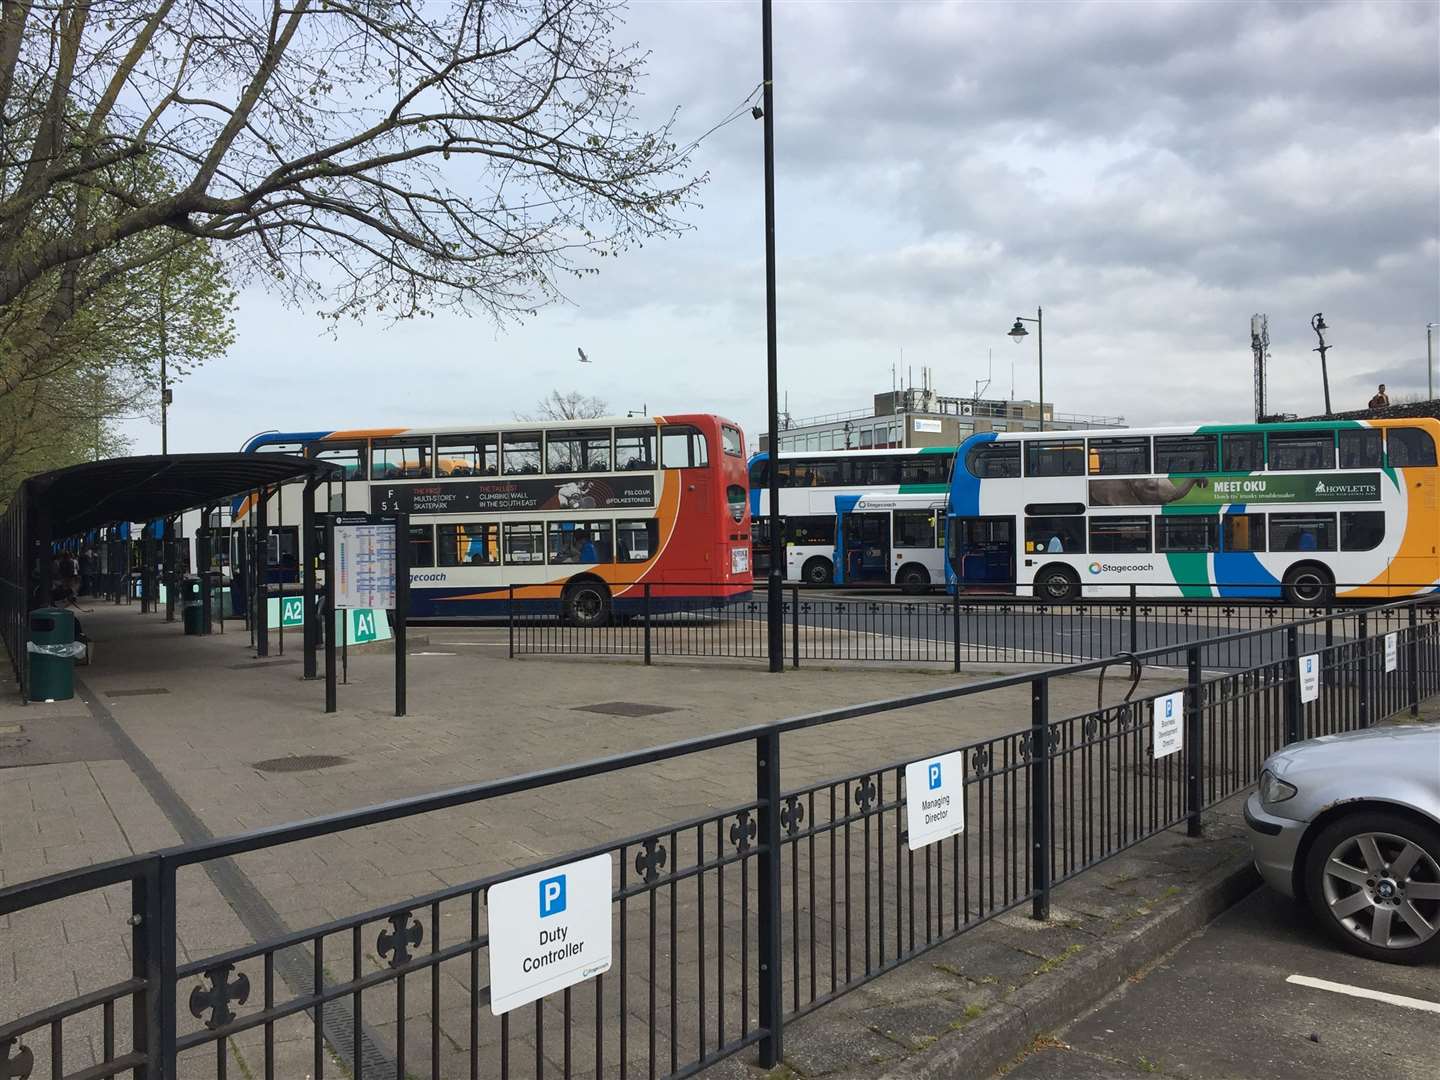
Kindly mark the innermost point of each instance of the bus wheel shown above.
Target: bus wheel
(913, 579)
(817, 571)
(1058, 584)
(587, 603)
(1308, 583)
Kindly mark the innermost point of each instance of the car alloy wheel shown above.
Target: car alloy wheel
(1384, 889)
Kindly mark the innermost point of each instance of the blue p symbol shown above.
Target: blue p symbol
(1169, 708)
(552, 896)
(934, 775)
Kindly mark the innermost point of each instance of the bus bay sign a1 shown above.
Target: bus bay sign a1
(549, 930)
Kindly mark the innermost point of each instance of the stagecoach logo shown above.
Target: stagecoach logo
(1111, 568)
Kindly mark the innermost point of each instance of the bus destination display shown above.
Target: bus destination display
(499, 496)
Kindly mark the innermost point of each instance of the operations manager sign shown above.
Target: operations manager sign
(499, 496)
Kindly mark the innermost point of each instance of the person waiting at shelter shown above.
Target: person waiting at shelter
(1381, 398)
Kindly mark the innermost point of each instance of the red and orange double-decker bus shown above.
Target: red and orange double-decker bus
(583, 512)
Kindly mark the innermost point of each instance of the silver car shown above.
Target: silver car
(1350, 824)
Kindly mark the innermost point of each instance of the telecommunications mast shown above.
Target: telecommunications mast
(1260, 346)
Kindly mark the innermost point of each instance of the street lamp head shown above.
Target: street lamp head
(1318, 322)
(1018, 332)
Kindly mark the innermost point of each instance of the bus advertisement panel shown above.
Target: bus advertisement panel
(588, 512)
(1305, 511)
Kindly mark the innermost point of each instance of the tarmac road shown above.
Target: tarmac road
(1223, 1006)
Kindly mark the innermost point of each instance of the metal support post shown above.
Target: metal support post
(1194, 743)
(308, 579)
(795, 626)
(1134, 623)
(168, 565)
(771, 981)
(1366, 648)
(775, 579)
(1293, 710)
(1040, 797)
(261, 617)
(402, 606)
(332, 628)
(148, 590)
(647, 623)
(1414, 656)
(510, 619)
(955, 628)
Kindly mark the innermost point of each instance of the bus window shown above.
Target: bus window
(1120, 456)
(524, 543)
(682, 447)
(1302, 532)
(579, 542)
(994, 461)
(399, 459)
(925, 469)
(636, 541)
(1120, 535)
(1059, 457)
(914, 529)
(878, 471)
(467, 455)
(1361, 530)
(1360, 448)
(731, 440)
(1244, 532)
(760, 473)
(520, 456)
(1185, 454)
(468, 544)
(1055, 535)
(349, 456)
(422, 546)
(1190, 532)
(577, 451)
(810, 531)
(1242, 452)
(1410, 447)
(635, 449)
(1291, 451)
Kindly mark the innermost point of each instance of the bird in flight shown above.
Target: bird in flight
(583, 358)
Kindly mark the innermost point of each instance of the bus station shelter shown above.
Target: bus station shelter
(52, 507)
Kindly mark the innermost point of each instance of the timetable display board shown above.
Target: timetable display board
(365, 566)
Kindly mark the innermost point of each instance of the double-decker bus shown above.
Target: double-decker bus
(856, 517)
(1305, 510)
(588, 512)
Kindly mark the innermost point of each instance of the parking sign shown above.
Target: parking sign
(1168, 724)
(1309, 673)
(548, 931)
(934, 799)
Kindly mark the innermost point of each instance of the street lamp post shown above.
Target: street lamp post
(774, 593)
(1018, 333)
(1317, 323)
(1430, 359)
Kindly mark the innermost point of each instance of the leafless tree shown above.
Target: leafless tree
(571, 405)
(390, 156)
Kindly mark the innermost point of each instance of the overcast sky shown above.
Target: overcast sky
(1151, 173)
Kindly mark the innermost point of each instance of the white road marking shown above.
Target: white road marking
(1361, 992)
(432, 654)
(478, 644)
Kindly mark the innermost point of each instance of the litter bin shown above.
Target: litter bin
(52, 650)
(192, 600)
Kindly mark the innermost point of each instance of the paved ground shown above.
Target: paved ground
(202, 719)
(1221, 1006)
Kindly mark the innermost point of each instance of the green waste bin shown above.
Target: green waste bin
(192, 605)
(52, 652)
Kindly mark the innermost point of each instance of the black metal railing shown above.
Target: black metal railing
(725, 924)
(649, 621)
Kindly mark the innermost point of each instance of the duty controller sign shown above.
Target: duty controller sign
(548, 931)
(935, 799)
